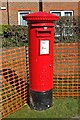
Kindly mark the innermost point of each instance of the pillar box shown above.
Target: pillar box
(41, 57)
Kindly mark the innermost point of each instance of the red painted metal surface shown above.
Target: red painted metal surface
(40, 16)
(41, 40)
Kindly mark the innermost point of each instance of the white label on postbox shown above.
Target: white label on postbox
(44, 47)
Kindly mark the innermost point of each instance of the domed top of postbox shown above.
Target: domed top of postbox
(40, 16)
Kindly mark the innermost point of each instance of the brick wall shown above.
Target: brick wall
(47, 6)
(14, 7)
(4, 14)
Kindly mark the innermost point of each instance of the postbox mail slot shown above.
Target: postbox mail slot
(43, 33)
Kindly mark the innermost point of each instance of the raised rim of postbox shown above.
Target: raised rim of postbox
(40, 16)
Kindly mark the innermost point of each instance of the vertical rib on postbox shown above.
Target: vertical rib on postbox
(41, 41)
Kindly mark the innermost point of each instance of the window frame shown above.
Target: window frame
(62, 12)
(22, 11)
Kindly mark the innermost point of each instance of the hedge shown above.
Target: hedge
(15, 36)
(66, 30)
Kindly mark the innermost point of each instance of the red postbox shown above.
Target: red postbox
(41, 41)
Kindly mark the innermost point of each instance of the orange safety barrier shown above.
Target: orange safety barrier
(14, 80)
(15, 75)
(66, 69)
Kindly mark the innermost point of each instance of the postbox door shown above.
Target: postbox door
(46, 63)
(41, 59)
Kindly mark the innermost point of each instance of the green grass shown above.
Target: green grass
(62, 108)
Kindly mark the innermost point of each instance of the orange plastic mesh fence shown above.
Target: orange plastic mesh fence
(66, 69)
(15, 75)
(14, 80)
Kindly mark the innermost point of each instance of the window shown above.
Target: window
(57, 13)
(62, 13)
(68, 14)
(66, 30)
(20, 19)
